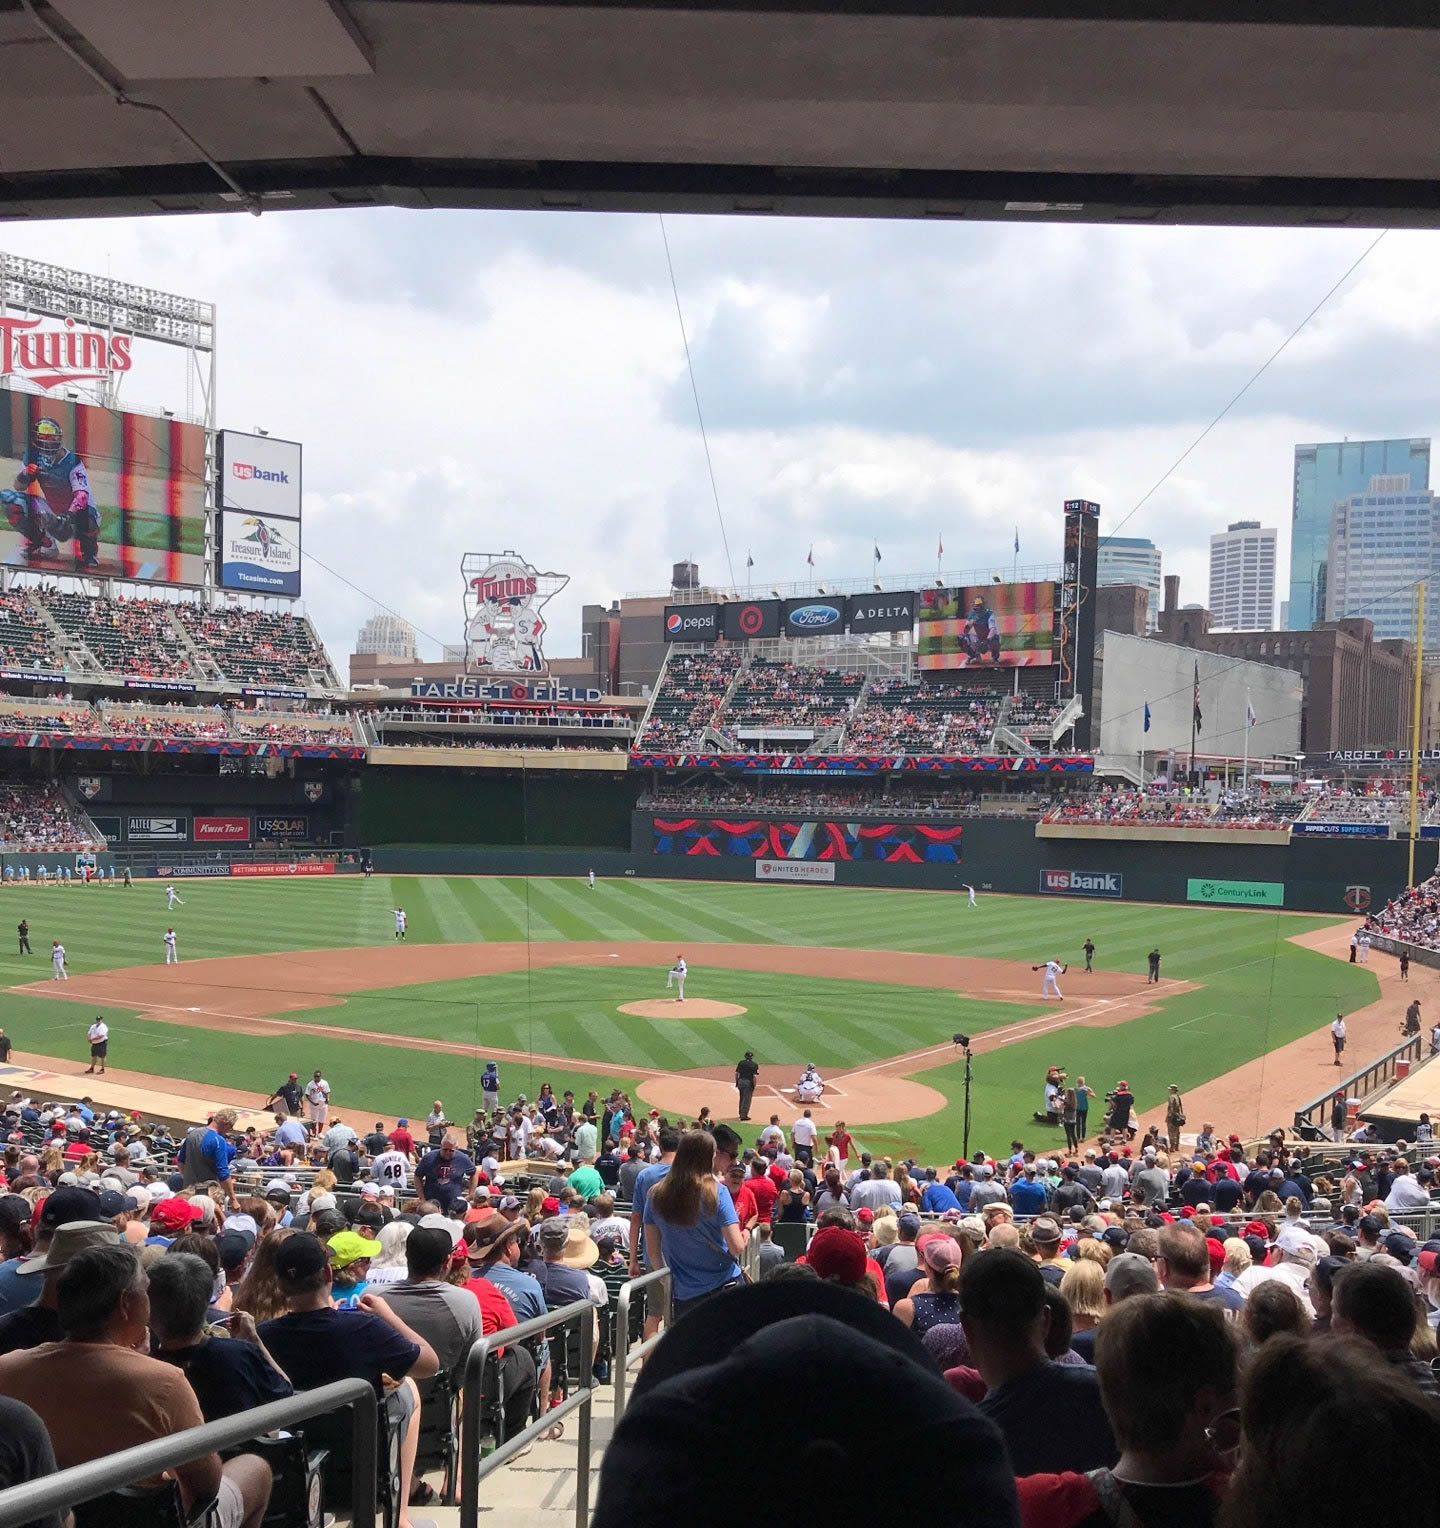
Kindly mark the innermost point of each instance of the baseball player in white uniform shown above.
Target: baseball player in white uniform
(676, 977)
(172, 898)
(172, 958)
(58, 973)
(968, 887)
(592, 880)
(400, 921)
(1053, 972)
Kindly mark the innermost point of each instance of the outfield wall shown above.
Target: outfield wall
(475, 807)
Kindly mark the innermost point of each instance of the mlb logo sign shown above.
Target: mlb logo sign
(1082, 883)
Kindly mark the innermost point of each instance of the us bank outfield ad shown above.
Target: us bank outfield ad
(259, 554)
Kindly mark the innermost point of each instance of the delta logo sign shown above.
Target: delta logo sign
(1082, 883)
(48, 357)
(251, 474)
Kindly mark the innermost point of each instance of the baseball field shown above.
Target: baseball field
(538, 974)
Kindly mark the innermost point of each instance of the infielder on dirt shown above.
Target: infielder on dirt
(1053, 972)
(676, 977)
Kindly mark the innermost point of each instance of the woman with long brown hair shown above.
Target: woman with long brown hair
(691, 1226)
(259, 1293)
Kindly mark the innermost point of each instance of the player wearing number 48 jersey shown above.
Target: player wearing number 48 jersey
(52, 503)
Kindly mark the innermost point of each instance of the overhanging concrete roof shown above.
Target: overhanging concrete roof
(1251, 111)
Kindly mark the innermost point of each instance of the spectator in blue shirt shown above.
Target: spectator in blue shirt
(937, 1197)
(691, 1226)
(1028, 1196)
(205, 1153)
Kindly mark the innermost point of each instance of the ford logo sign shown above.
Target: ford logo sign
(815, 616)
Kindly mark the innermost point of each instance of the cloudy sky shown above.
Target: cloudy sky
(471, 382)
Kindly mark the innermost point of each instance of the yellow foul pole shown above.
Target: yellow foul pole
(1415, 728)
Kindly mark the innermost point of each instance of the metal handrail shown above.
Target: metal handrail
(474, 1469)
(1370, 1078)
(84, 1482)
(625, 1355)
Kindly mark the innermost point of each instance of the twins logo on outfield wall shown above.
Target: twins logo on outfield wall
(1357, 898)
(504, 630)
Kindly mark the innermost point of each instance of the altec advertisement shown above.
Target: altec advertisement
(259, 554)
(1082, 883)
(258, 475)
(222, 830)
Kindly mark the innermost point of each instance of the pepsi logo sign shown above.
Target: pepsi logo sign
(673, 623)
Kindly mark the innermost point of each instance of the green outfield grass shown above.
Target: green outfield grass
(1257, 991)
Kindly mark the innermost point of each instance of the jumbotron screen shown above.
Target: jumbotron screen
(100, 491)
(987, 626)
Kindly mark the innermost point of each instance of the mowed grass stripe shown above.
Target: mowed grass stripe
(448, 912)
(603, 914)
(512, 895)
(722, 922)
(496, 923)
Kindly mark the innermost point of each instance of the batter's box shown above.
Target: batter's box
(831, 1092)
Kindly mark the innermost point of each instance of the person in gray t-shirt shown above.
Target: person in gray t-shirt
(879, 1189)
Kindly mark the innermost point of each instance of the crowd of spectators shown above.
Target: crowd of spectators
(1165, 806)
(900, 715)
(1032, 715)
(1124, 1334)
(771, 693)
(127, 636)
(1413, 915)
(210, 725)
(78, 720)
(261, 727)
(257, 646)
(599, 718)
(34, 816)
(688, 696)
(25, 640)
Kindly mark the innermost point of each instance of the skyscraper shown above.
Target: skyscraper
(1325, 474)
(387, 634)
(1381, 542)
(1242, 577)
(1132, 560)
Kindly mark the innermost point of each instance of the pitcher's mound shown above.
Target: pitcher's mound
(690, 1008)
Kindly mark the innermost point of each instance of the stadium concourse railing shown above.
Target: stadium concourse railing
(626, 1356)
(473, 1468)
(37, 1500)
(1315, 1116)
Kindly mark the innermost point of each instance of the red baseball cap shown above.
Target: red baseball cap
(835, 1253)
(551, 1206)
(865, 1216)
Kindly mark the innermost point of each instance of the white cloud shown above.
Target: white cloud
(467, 382)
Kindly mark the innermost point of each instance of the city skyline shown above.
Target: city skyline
(462, 381)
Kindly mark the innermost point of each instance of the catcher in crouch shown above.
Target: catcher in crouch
(51, 502)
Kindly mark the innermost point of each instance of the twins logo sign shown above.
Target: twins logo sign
(504, 629)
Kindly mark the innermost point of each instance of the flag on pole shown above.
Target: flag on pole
(810, 555)
(1147, 716)
(1198, 717)
(749, 560)
(940, 549)
(1017, 540)
(1249, 713)
(877, 553)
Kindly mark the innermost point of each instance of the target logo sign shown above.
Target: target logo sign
(752, 620)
